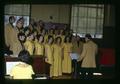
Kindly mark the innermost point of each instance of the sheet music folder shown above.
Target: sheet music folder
(74, 56)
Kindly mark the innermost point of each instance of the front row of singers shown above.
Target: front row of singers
(57, 56)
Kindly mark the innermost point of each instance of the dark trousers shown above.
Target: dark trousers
(74, 65)
(78, 68)
(47, 69)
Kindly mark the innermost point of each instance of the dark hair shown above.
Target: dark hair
(49, 37)
(24, 56)
(43, 24)
(34, 30)
(88, 36)
(19, 20)
(38, 36)
(21, 34)
(57, 39)
(65, 40)
(63, 33)
(30, 34)
(11, 17)
(56, 31)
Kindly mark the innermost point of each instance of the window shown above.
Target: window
(87, 18)
(19, 10)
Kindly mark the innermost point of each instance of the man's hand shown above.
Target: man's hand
(46, 59)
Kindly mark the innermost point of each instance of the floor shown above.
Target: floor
(63, 77)
(103, 76)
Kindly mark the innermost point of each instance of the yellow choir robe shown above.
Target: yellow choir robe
(67, 62)
(39, 49)
(29, 46)
(45, 39)
(11, 39)
(63, 37)
(55, 36)
(88, 54)
(49, 55)
(57, 64)
(38, 29)
(19, 72)
(51, 35)
(35, 41)
(8, 31)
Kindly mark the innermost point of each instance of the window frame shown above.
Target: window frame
(97, 34)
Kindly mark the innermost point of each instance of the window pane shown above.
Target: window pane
(74, 29)
(74, 9)
(19, 9)
(26, 18)
(91, 30)
(100, 6)
(99, 23)
(98, 35)
(82, 22)
(75, 21)
(6, 19)
(89, 20)
(92, 22)
(100, 13)
(83, 12)
(91, 5)
(81, 30)
(72, 21)
(92, 12)
(81, 34)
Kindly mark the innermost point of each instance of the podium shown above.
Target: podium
(38, 64)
